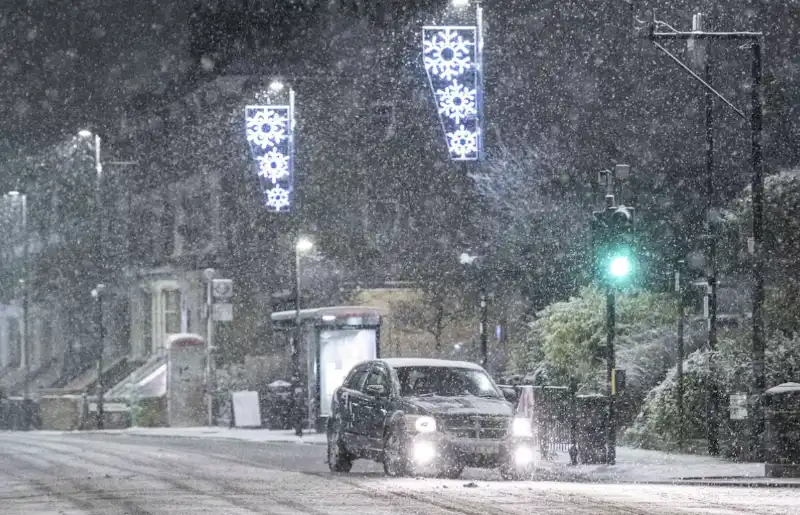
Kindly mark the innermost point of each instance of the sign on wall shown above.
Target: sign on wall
(221, 296)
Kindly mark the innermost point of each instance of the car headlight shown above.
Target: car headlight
(521, 427)
(424, 424)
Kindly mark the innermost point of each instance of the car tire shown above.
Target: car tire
(395, 453)
(338, 458)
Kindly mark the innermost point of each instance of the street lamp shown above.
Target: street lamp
(209, 274)
(269, 130)
(15, 197)
(276, 86)
(469, 260)
(97, 295)
(460, 3)
(302, 245)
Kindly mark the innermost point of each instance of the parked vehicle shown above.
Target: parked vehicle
(424, 415)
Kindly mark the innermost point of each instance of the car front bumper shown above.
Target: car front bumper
(436, 449)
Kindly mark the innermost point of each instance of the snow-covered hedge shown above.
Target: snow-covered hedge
(658, 424)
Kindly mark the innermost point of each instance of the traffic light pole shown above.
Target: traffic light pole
(611, 365)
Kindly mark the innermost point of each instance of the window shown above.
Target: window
(378, 376)
(357, 378)
(172, 311)
(445, 382)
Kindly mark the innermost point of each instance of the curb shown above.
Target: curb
(549, 474)
(742, 482)
(198, 437)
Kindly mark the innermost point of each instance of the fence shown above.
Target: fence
(566, 422)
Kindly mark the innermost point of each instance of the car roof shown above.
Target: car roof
(427, 362)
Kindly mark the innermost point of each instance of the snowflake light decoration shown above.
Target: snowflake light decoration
(457, 102)
(270, 136)
(446, 53)
(273, 166)
(266, 128)
(452, 58)
(463, 143)
(277, 198)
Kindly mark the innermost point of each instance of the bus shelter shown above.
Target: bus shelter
(333, 340)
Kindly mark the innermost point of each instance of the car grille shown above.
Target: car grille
(476, 426)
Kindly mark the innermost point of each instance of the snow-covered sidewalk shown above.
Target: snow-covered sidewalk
(248, 435)
(642, 466)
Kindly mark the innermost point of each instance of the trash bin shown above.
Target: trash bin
(782, 430)
(277, 405)
(591, 428)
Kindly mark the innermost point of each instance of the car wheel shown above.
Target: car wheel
(338, 459)
(395, 454)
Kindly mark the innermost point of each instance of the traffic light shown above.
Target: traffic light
(613, 242)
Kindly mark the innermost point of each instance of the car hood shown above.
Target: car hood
(461, 405)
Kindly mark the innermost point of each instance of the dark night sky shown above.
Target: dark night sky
(68, 65)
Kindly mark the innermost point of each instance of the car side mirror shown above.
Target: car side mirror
(509, 393)
(376, 390)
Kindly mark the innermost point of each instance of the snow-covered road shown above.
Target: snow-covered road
(111, 475)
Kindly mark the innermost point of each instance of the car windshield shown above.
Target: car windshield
(445, 382)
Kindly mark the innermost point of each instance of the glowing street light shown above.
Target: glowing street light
(460, 3)
(304, 244)
(276, 86)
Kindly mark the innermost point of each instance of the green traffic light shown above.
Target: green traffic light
(620, 266)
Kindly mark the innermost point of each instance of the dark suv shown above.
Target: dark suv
(426, 415)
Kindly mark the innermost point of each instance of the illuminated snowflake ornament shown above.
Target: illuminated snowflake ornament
(463, 143)
(452, 56)
(457, 102)
(446, 53)
(277, 198)
(273, 166)
(267, 128)
(269, 133)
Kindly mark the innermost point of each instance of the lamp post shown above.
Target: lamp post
(98, 198)
(97, 295)
(301, 245)
(271, 137)
(209, 274)
(17, 197)
(469, 260)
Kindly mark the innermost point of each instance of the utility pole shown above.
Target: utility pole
(759, 343)
(681, 321)
(756, 40)
(703, 61)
